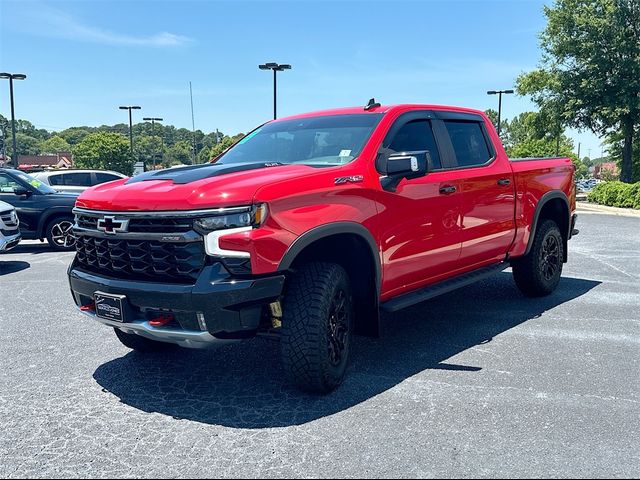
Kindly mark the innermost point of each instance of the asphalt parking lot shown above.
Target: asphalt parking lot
(480, 382)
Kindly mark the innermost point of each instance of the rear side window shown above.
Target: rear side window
(77, 179)
(469, 143)
(414, 136)
(105, 177)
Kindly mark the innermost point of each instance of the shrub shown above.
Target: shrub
(617, 194)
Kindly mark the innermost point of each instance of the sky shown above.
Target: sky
(85, 58)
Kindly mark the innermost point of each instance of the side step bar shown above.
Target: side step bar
(431, 291)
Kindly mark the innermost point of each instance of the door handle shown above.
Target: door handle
(448, 189)
(504, 182)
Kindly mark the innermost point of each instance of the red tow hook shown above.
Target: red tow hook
(88, 308)
(162, 320)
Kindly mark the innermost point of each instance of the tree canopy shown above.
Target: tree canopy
(105, 151)
(589, 76)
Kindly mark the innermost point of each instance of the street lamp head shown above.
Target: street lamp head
(274, 66)
(284, 67)
(491, 92)
(19, 76)
(508, 91)
(123, 108)
(13, 76)
(135, 108)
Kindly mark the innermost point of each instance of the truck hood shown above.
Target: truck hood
(189, 188)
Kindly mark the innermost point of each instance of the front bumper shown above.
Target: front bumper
(216, 309)
(9, 241)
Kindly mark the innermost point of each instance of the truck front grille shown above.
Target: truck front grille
(141, 225)
(141, 259)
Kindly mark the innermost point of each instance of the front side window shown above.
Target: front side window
(469, 143)
(28, 179)
(415, 136)
(317, 141)
(7, 183)
(56, 180)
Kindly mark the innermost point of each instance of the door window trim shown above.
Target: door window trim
(483, 128)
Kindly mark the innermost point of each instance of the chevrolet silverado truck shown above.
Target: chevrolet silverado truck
(311, 226)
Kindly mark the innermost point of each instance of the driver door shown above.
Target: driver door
(25, 204)
(420, 223)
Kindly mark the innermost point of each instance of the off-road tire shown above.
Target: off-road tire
(538, 273)
(142, 344)
(316, 327)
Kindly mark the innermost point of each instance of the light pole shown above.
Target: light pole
(153, 121)
(276, 68)
(11, 77)
(499, 93)
(135, 107)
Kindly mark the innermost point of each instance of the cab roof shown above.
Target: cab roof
(402, 107)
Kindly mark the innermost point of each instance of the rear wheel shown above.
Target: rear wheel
(538, 273)
(142, 344)
(316, 327)
(60, 233)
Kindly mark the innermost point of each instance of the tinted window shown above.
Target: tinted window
(55, 180)
(105, 177)
(77, 179)
(322, 141)
(469, 143)
(7, 184)
(417, 135)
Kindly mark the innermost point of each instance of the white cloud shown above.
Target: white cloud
(44, 20)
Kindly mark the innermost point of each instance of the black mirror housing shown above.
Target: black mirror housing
(21, 191)
(397, 166)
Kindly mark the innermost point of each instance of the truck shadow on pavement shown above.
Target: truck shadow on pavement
(241, 386)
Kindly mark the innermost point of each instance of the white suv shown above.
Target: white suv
(9, 227)
(76, 181)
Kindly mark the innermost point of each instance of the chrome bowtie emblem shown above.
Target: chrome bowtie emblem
(111, 225)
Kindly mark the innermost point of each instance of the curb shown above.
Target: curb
(586, 207)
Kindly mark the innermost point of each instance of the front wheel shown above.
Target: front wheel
(60, 233)
(316, 327)
(538, 273)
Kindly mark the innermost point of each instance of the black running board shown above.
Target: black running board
(411, 298)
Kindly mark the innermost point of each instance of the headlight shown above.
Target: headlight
(253, 216)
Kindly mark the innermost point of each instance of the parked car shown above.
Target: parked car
(43, 212)
(76, 180)
(311, 225)
(9, 227)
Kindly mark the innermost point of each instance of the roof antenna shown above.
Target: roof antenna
(372, 104)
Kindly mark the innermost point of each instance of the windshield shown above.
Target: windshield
(318, 141)
(37, 184)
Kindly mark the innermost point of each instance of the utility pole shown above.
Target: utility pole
(135, 107)
(499, 93)
(276, 68)
(193, 125)
(11, 77)
(153, 130)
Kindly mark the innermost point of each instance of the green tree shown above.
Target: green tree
(74, 135)
(105, 151)
(178, 154)
(590, 70)
(224, 144)
(27, 145)
(55, 144)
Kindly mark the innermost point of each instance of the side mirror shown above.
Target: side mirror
(398, 166)
(22, 191)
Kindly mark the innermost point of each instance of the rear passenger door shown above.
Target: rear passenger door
(488, 195)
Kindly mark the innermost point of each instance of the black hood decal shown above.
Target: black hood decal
(193, 173)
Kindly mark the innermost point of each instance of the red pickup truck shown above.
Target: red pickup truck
(311, 225)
